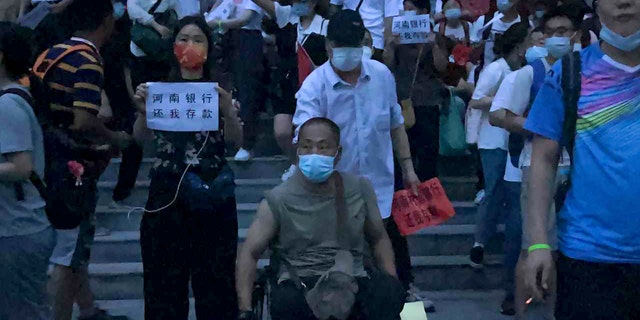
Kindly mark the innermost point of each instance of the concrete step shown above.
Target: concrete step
(450, 305)
(443, 240)
(252, 190)
(122, 220)
(124, 281)
(274, 166)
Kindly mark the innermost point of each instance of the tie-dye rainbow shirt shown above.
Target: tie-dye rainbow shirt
(600, 221)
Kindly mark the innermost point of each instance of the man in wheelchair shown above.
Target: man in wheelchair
(317, 225)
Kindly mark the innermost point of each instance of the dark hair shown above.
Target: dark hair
(538, 29)
(508, 41)
(335, 130)
(574, 13)
(86, 15)
(17, 50)
(199, 22)
(422, 4)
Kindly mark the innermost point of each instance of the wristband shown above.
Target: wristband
(539, 246)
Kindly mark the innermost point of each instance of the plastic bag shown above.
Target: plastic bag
(452, 133)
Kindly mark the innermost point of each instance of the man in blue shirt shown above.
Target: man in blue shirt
(599, 226)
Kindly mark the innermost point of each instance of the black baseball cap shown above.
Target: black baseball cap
(346, 29)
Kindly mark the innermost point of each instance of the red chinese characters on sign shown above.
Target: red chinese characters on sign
(476, 7)
(431, 207)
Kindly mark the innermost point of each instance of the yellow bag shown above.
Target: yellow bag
(408, 113)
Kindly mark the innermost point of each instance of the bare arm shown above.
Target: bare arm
(482, 104)
(17, 168)
(232, 126)
(544, 165)
(262, 230)
(401, 148)
(24, 7)
(440, 55)
(389, 45)
(268, 6)
(86, 122)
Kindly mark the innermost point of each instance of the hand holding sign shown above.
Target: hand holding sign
(183, 106)
(431, 207)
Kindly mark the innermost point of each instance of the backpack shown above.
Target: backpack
(68, 198)
(516, 141)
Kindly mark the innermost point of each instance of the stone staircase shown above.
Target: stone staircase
(439, 254)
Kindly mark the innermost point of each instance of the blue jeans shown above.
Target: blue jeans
(494, 162)
(512, 232)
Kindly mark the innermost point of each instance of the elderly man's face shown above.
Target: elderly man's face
(621, 16)
(318, 139)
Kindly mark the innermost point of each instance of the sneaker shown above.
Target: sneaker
(102, 232)
(289, 172)
(479, 197)
(414, 295)
(120, 205)
(476, 256)
(103, 315)
(508, 307)
(242, 155)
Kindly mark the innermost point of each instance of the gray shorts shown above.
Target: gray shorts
(552, 229)
(23, 275)
(73, 246)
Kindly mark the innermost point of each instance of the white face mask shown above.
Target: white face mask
(346, 59)
(411, 13)
(367, 53)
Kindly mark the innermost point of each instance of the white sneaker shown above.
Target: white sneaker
(242, 155)
(414, 295)
(479, 197)
(289, 172)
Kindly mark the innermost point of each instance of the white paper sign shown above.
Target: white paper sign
(412, 29)
(183, 106)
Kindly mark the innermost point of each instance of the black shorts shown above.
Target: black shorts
(589, 290)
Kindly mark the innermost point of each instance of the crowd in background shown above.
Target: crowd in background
(555, 162)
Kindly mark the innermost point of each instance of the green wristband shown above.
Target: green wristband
(539, 246)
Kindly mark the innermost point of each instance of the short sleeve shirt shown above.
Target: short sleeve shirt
(20, 133)
(600, 220)
(487, 85)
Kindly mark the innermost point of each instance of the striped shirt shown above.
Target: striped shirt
(75, 82)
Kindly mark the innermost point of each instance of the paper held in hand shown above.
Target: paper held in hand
(431, 207)
(183, 106)
(412, 29)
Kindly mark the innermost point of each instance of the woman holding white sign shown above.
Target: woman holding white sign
(189, 229)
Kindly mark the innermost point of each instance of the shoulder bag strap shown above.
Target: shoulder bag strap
(467, 35)
(415, 72)
(571, 87)
(341, 211)
(155, 7)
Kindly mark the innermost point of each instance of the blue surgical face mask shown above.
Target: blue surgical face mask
(346, 59)
(411, 13)
(118, 10)
(504, 5)
(558, 47)
(301, 9)
(453, 13)
(317, 168)
(540, 14)
(627, 44)
(536, 53)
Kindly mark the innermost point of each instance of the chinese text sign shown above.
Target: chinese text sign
(431, 207)
(182, 106)
(412, 29)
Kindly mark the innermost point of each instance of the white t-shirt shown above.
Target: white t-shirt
(454, 33)
(487, 85)
(514, 95)
(284, 16)
(373, 13)
(255, 23)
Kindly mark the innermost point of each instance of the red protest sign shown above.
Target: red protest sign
(431, 207)
(476, 7)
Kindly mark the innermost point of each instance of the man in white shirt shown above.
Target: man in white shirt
(377, 16)
(360, 96)
(488, 31)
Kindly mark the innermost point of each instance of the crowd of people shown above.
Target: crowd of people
(550, 91)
